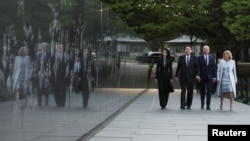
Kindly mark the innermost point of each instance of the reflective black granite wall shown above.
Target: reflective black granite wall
(66, 66)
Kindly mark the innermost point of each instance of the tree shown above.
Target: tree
(162, 20)
(149, 19)
(237, 21)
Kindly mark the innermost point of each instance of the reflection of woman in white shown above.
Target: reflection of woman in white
(21, 73)
(226, 78)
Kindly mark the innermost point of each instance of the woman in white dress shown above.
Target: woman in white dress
(22, 73)
(226, 79)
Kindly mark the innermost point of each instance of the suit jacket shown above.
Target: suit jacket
(187, 72)
(59, 68)
(85, 72)
(164, 72)
(207, 71)
(45, 57)
(232, 75)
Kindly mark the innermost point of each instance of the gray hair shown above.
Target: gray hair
(206, 46)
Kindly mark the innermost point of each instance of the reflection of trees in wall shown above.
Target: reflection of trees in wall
(74, 23)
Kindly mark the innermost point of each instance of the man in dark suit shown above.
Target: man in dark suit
(60, 75)
(207, 76)
(187, 71)
(42, 73)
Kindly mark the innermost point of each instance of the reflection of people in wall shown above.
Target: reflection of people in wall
(42, 72)
(94, 74)
(150, 69)
(85, 76)
(76, 74)
(59, 75)
(2, 78)
(22, 73)
(118, 61)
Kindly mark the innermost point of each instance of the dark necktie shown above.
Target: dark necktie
(206, 59)
(164, 62)
(188, 60)
(85, 64)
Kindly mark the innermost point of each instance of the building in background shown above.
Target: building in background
(128, 45)
(177, 45)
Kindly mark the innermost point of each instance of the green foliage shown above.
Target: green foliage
(147, 18)
(238, 18)
(222, 23)
(164, 20)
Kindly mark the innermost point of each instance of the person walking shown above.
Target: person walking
(42, 72)
(60, 75)
(22, 74)
(85, 76)
(207, 76)
(226, 79)
(163, 78)
(186, 72)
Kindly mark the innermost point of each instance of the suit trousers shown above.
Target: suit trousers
(206, 92)
(163, 91)
(40, 92)
(187, 87)
(60, 93)
(76, 81)
(85, 96)
(85, 90)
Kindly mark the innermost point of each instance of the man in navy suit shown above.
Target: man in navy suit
(60, 74)
(42, 73)
(207, 76)
(187, 71)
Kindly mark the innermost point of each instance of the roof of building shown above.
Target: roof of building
(124, 39)
(185, 39)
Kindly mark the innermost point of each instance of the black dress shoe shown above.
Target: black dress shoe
(202, 107)
(182, 107)
(208, 108)
(188, 107)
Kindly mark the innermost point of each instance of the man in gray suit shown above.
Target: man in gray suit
(187, 71)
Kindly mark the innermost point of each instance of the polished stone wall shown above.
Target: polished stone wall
(59, 77)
